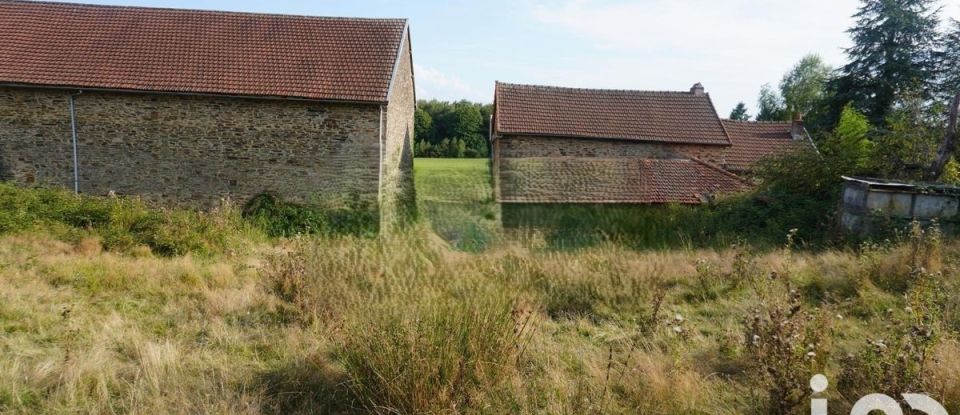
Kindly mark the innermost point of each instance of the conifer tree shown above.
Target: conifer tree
(894, 50)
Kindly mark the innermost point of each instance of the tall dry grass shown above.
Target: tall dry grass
(407, 325)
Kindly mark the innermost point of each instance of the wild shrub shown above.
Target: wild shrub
(286, 277)
(925, 246)
(570, 298)
(710, 282)
(438, 358)
(785, 344)
(893, 267)
(821, 288)
(123, 224)
(898, 355)
(323, 279)
(279, 218)
(744, 269)
(800, 192)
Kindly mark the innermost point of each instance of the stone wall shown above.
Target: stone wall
(603, 172)
(191, 150)
(571, 179)
(398, 193)
(531, 146)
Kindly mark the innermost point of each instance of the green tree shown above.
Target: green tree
(422, 124)
(468, 129)
(463, 120)
(441, 120)
(468, 119)
(423, 148)
(804, 86)
(910, 140)
(739, 112)
(461, 148)
(894, 50)
(476, 146)
(951, 62)
(849, 144)
(771, 106)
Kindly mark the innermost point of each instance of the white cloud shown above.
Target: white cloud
(732, 47)
(432, 83)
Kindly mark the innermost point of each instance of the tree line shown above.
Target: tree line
(883, 113)
(902, 69)
(452, 129)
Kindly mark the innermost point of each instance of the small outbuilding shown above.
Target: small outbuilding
(877, 205)
(187, 107)
(570, 145)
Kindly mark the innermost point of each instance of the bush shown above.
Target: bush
(441, 358)
(899, 355)
(283, 219)
(785, 344)
(763, 218)
(564, 298)
(121, 223)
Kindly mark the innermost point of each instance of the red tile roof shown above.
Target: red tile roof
(620, 180)
(192, 51)
(674, 117)
(753, 141)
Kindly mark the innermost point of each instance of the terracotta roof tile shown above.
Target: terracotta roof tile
(620, 180)
(676, 117)
(754, 141)
(192, 51)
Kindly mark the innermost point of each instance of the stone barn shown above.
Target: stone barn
(555, 145)
(188, 107)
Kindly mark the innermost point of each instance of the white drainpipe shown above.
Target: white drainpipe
(76, 155)
(380, 166)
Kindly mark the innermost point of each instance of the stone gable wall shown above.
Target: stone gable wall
(517, 180)
(191, 150)
(398, 194)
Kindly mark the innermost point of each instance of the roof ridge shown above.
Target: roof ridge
(207, 11)
(755, 122)
(566, 88)
(622, 138)
(656, 116)
(607, 159)
(721, 170)
(726, 134)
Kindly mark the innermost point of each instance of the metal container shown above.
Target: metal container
(874, 205)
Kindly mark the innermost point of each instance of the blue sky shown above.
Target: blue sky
(462, 47)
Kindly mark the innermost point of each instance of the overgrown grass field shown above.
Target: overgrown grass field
(442, 321)
(457, 198)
